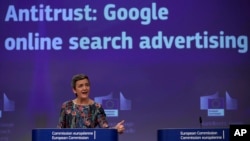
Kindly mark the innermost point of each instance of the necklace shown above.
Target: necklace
(88, 102)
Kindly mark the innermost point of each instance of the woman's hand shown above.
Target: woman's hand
(120, 127)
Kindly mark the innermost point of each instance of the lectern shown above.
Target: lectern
(93, 134)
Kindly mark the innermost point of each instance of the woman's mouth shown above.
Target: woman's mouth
(85, 93)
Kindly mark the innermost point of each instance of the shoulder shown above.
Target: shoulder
(95, 104)
(67, 103)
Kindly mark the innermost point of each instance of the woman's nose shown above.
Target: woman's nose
(85, 87)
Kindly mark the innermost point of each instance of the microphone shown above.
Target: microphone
(200, 119)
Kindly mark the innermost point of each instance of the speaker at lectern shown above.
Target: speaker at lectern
(99, 134)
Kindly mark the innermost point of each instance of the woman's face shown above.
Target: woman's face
(82, 88)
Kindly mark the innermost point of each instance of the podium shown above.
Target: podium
(179, 134)
(76, 134)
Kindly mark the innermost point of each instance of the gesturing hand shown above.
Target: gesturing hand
(120, 127)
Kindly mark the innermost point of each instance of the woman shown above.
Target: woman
(83, 112)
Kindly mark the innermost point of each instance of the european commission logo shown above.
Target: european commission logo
(216, 105)
(112, 105)
(7, 105)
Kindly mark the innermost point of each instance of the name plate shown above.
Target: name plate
(74, 134)
(193, 134)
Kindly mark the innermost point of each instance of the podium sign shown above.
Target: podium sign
(193, 135)
(76, 134)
